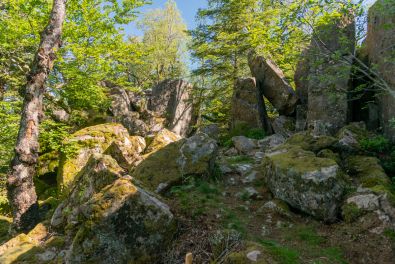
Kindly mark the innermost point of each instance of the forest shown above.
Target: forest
(252, 131)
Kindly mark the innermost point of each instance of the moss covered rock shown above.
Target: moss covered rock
(122, 224)
(311, 143)
(311, 184)
(161, 139)
(82, 144)
(100, 171)
(167, 166)
(350, 137)
(367, 171)
(127, 153)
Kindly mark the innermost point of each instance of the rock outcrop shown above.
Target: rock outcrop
(172, 99)
(245, 104)
(122, 224)
(271, 81)
(380, 46)
(313, 185)
(323, 74)
(171, 164)
(96, 139)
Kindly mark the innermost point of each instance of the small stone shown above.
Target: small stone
(254, 255)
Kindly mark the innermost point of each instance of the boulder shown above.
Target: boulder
(284, 125)
(311, 143)
(271, 142)
(172, 99)
(127, 155)
(271, 81)
(323, 75)
(100, 171)
(350, 138)
(172, 163)
(310, 184)
(132, 122)
(161, 140)
(122, 224)
(244, 144)
(245, 104)
(380, 45)
(82, 144)
(211, 130)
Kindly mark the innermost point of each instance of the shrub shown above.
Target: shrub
(376, 144)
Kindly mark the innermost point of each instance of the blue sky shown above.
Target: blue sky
(188, 10)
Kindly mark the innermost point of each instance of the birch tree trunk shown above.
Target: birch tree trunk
(21, 191)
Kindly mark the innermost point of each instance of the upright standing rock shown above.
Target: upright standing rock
(245, 104)
(323, 75)
(173, 99)
(271, 81)
(381, 51)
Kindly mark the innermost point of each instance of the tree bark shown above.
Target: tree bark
(21, 191)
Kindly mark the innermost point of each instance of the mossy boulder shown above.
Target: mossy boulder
(122, 224)
(349, 138)
(169, 165)
(311, 143)
(100, 171)
(82, 144)
(367, 171)
(127, 153)
(23, 247)
(311, 184)
(160, 140)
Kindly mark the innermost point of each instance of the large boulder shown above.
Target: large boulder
(380, 45)
(308, 183)
(271, 80)
(245, 104)
(107, 218)
(82, 144)
(171, 164)
(323, 74)
(122, 224)
(100, 171)
(173, 99)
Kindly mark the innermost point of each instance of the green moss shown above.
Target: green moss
(307, 142)
(351, 212)
(5, 224)
(329, 154)
(367, 170)
(239, 159)
(280, 253)
(299, 160)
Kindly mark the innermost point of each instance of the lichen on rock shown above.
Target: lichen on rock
(311, 184)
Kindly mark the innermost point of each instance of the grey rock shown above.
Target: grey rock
(244, 145)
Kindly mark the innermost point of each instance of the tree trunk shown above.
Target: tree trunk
(267, 126)
(21, 191)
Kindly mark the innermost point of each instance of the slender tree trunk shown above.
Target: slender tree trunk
(21, 191)
(2, 90)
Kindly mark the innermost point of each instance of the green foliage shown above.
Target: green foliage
(52, 135)
(375, 144)
(164, 46)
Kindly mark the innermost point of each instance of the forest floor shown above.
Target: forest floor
(218, 217)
